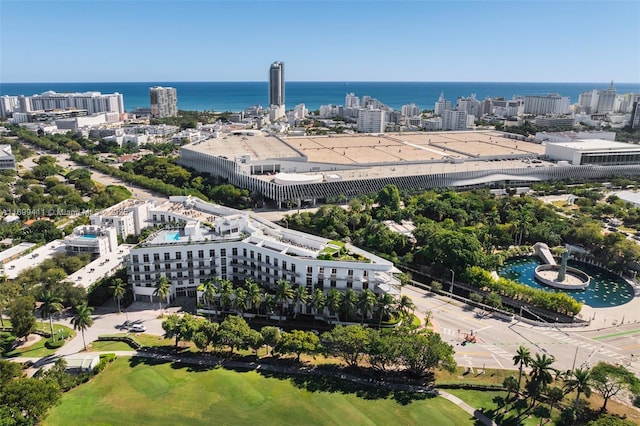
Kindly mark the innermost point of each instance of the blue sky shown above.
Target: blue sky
(321, 40)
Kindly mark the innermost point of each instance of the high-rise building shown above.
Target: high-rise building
(164, 102)
(442, 105)
(276, 84)
(546, 104)
(410, 110)
(606, 100)
(454, 120)
(371, 120)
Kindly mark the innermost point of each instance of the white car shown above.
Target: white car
(137, 328)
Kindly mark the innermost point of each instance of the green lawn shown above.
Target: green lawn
(38, 349)
(130, 391)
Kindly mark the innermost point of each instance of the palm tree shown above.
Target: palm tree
(349, 303)
(284, 293)
(540, 376)
(254, 293)
(522, 359)
(163, 290)
(82, 320)
(269, 302)
(332, 300)
(300, 297)
(384, 306)
(318, 301)
(226, 292)
(118, 288)
(240, 301)
(554, 396)
(511, 384)
(580, 381)
(51, 304)
(405, 306)
(366, 302)
(209, 291)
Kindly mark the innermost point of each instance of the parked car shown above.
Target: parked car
(137, 328)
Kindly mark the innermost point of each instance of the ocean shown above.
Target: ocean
(236, 96)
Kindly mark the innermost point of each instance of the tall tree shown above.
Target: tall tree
(318, 301)
(118, 288)
(366, 303)
(540, 376)
(82, 320)
(300, 298)
(522, 359)
(580, 381)
(226, 291)
(51, 304)
(254, 294)
(209, 291)
(284, 293)
(332, 301)
(405, 306)
(609, 380)
(349, 304)
(162, 291)
(240, 301)
(384, 306)
(21, 316)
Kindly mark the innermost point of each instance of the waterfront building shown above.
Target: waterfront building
(442, 105)
(202, 241)
(276, 84)
(606, 100)
(552, 104)
(351, 101)
(598, 101)
(471, 105)
(410, 110)
(164, 102)
(50, 102)
(454, 120)
(300, 111)
(371, 120)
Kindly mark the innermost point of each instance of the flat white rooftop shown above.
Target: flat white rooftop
(597, 145)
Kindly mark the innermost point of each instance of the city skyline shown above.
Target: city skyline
(499, 41)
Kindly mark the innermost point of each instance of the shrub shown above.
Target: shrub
(51, 344)
(105, 359)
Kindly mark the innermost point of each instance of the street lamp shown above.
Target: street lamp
(453, 277)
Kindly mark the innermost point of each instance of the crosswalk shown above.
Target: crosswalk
(502, 351)
(590, 347)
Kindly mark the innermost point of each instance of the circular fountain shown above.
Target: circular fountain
(559, 276)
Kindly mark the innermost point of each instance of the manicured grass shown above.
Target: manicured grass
(38, 349)
(106, 346)
(130, 391)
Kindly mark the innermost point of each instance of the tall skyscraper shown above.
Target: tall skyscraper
(276, 84)
(164, 102)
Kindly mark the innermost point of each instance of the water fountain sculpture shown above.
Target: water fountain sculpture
(559, 276)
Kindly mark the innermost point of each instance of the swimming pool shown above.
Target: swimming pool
(171, 236)
(90, 236)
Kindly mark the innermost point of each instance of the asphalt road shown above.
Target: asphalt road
(498, 340)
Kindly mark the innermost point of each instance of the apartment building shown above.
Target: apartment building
(201, 241)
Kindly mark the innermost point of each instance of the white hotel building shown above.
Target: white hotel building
(201, 241)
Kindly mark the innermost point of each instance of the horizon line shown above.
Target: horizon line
(317, 81)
